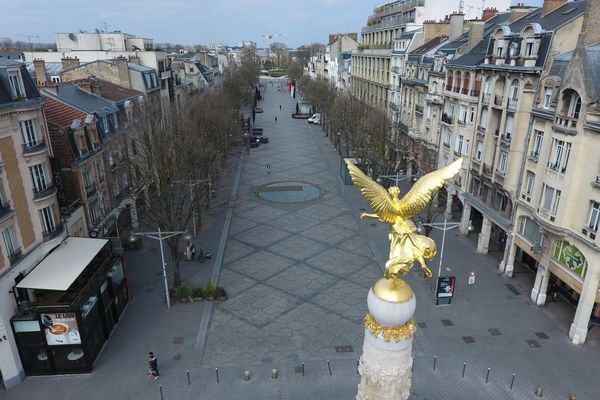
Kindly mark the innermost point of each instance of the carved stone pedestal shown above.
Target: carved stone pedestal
(386, 363)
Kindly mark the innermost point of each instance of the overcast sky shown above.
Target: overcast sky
(193, 21)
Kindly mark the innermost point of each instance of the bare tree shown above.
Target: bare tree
(279, 54)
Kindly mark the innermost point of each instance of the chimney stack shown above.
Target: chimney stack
(69, 62)
(550, 5)
(123, 70)
(518, 11)
(476, 29)
(433, 29)
(457, 22)
(489, 13)
(39, 67)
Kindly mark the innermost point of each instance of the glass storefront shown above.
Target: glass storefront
(64, 338)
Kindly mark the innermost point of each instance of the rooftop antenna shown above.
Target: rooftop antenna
(29, 39)
(461, 6)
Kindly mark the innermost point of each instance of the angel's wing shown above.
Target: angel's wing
(422, 191)
(380, 199)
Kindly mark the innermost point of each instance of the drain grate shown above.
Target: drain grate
(542, 335)
(533, 343)
(177, 340)
(513, 289)
(344, 349)
(468, 339)
(495, 332)
(447, 322)
(421, 324)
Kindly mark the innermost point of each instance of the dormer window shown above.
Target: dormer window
(500, 48)
(16, 84)
(529, 47)
(547, 98)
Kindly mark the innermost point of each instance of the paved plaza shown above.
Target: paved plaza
(297, 276)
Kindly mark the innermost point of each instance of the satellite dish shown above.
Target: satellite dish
(72, 36)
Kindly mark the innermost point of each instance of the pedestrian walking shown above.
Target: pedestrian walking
(268, 168)
(275, 119)
(153, 365)
(280, 107)
(193, 251)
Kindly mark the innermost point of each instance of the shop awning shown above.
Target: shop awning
(61, 267)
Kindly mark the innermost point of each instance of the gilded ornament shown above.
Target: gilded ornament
(406, 246)
(389, 333)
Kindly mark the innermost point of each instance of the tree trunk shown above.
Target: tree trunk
(175, 259)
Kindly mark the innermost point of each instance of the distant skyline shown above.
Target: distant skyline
(190, 22)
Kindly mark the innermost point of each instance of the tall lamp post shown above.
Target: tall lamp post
(444, 227)
(160, 236)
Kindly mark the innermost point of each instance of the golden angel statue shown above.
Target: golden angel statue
(406, 246)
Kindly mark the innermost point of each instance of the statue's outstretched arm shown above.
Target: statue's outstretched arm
(365, 215)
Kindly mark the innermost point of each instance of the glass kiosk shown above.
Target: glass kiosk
(68, 306)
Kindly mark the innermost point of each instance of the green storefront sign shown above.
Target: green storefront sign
(570, 257)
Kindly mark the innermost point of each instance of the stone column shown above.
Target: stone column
(507, 264)
(484, 237)
(465, 220)
(385, 366)
(540, 287)
(579, 327)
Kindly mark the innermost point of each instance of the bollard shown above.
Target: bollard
(247, 375)
(357, 362)
(464, 367)
(217, 373)
(539, 392)
(274, 373)
(412, 367)
(303, 369)
(329, 367)
(487, 376)
(434, 361)
(188, 374)
(161, 393)
(512, 381)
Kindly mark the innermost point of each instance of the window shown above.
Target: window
(547, 98)
(447, 138)
(93, 209)
(529, 47)
(429, 111)
(514, 90)
(462, 116)
(458, 146)
(104, 124)
(88, 180)
(47, 218)
(574, 106)
(39, 177)
(10, 240)
(537, 143)
(479, 150)
(29, 133)
(561, 151)
(503, 161)
(100, 169)
(594, 216)
(551, 199)
(510, 120)
(472, 115)
(488, 86)
(16, 84)
(565, 161)
(484, 118)
(500, 48)
(529, 182)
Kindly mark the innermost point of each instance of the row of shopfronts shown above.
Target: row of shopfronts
(66, 308)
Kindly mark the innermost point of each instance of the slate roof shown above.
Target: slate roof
(131, 66)
(489, 26)
(114, 92)
(53, 68)
(427, 47)
(74, 96)
(554, 19)
(6, 97)
(60, 114)
(591, 63)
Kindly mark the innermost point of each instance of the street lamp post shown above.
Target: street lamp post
(444, 227)
(161, 236)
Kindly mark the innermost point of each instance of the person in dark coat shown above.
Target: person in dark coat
(193, 251)
(153, 364)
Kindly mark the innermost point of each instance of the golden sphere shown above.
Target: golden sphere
(392, 290)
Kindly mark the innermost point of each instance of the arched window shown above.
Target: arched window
(514, 90)
(574, 105)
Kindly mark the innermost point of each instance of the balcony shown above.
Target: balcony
(53, 232)
(596, 183)
(5, 210)
(498, 100)
(447, 119)
(15, 255)
(42, 192)
(34, 147)
(396, 69)
(566, 125)
(393, 107)
(461, 121)
(512, 104)
(90, 190)
(487, 170)
(419, 109)
(480, 129)
(486, 98)
(533, 156)
(505, 138)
